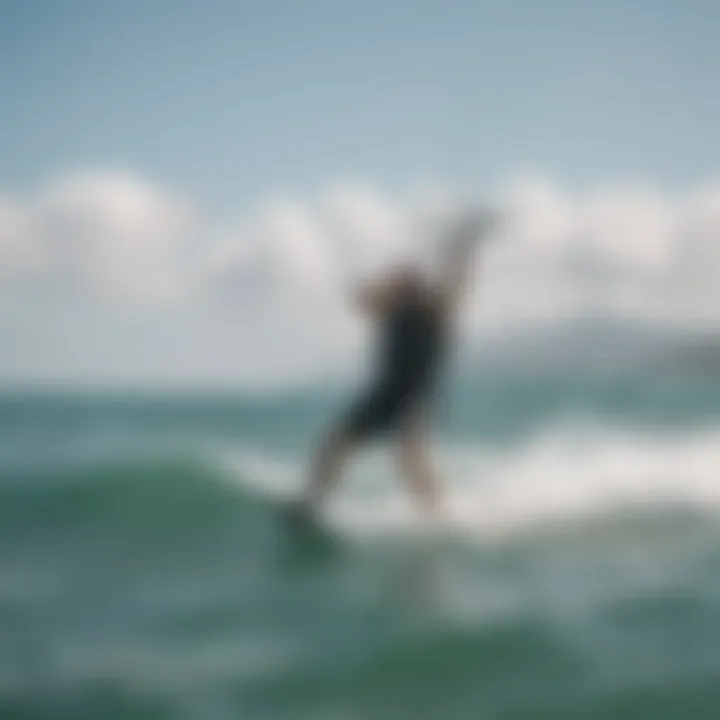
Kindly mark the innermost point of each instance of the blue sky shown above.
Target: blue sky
(232, 101)
(188, 186)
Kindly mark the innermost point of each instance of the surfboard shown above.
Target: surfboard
(297, 519)
(306, 529)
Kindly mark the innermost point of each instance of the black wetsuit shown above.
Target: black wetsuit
(413, 340)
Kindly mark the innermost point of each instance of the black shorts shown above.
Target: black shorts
(383, 410)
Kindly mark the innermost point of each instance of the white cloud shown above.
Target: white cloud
(19, 252)
(366, 229)
(264, 294)
(110, 235)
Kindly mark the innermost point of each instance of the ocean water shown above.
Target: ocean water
(577, 574)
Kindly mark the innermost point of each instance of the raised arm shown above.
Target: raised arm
(457, 263)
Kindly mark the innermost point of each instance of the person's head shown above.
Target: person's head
(408, 280)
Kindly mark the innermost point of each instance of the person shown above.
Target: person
(414, 317)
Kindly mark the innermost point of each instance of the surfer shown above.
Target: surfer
(413, 315)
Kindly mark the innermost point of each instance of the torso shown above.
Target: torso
(412, 346)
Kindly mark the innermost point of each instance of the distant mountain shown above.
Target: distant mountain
(598, 345)
(704, 356)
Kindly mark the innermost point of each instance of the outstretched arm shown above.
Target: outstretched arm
(457, 262)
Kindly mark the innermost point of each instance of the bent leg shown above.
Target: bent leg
(363, 420)
(327, 466)
(416, 465)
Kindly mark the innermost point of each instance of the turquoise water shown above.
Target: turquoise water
(577, 574)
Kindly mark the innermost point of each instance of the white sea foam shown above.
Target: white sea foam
(562, 476)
